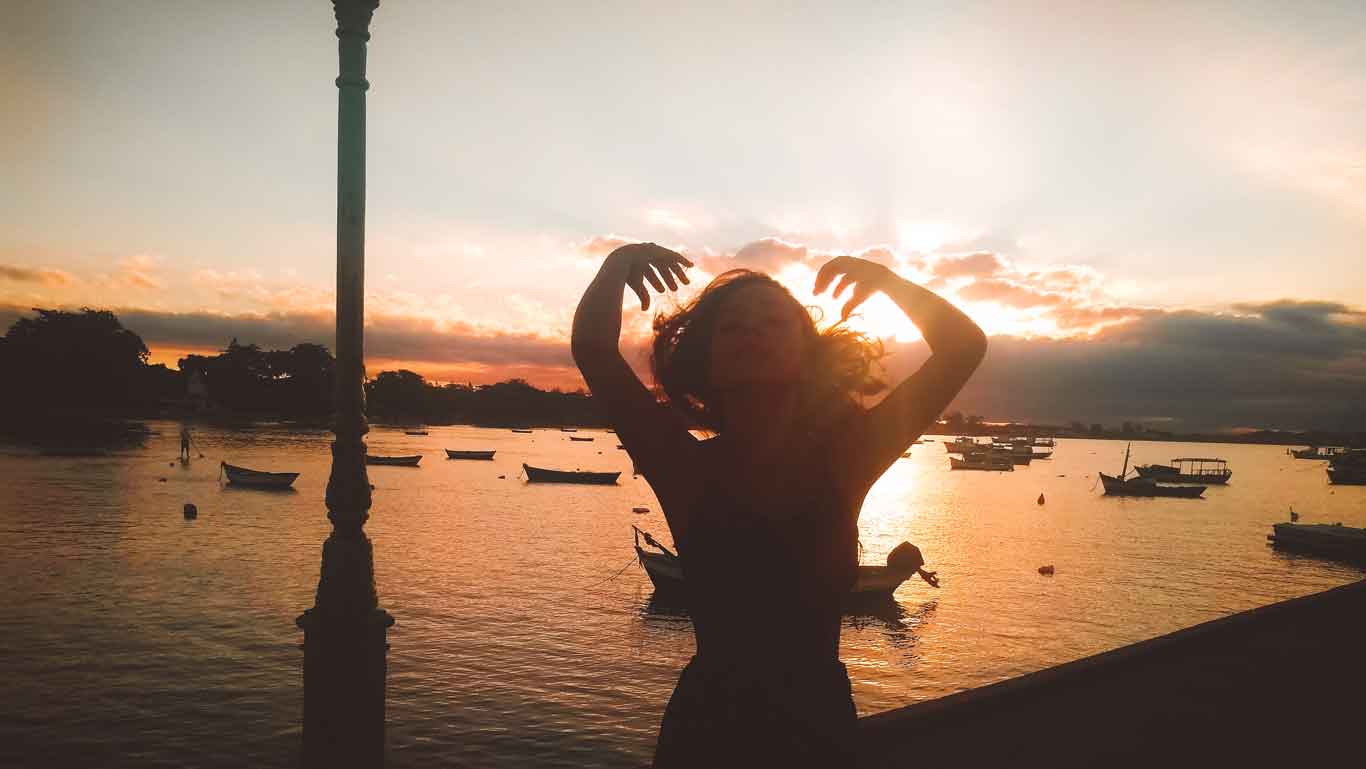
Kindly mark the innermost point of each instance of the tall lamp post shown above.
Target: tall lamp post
(344, 631)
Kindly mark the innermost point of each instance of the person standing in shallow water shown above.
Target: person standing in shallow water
(765, 513)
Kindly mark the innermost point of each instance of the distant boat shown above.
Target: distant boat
(1188, 470)
(409, 461)
(986, 461)
(665, 570)
(1332, 540)
(415, 432)
(521, 430)
(569, 429)
(1348, 468)
(577, 438)
(454, 454)
(257, 479)
(964, 444)
(543, 475)
(1316, 452)
(1121, 486)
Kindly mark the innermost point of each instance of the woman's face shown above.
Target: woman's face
(760, 338)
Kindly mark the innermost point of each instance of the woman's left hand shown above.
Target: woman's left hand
(866, 277)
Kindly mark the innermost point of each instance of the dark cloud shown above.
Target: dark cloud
(34, 275)
(1202, 371)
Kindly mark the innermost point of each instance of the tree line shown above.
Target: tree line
(87, 362)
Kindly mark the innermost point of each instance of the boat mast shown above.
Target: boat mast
(1125, 471)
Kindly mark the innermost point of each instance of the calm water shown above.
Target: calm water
(132, 637)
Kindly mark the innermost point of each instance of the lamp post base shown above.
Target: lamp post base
(344, 670)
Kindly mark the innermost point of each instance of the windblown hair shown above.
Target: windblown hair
(838, 366)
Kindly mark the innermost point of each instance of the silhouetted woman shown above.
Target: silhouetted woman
(764, 514)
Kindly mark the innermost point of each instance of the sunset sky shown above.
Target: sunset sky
(1158, 210)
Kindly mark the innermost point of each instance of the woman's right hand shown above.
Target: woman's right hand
(654, 263)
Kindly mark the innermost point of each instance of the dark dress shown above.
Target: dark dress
(766, 687)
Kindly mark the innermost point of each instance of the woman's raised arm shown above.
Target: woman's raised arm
(656, 437)
(878, 436)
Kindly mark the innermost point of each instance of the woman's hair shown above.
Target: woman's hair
(837, 367)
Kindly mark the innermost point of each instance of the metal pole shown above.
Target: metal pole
(344, 632)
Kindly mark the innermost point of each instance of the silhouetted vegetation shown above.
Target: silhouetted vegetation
(404, 396)
(248, 380)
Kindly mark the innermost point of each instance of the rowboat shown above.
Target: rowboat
(1333, 540)
(1188, 470)
(1348, 468)
(1122, 486)
(665, 570)
(257, 479)
(415, 432)
(569, 429)
(453, 454)
(543, 475)
(411, 461)
(520, 430)
(577, 438)
(985, 461)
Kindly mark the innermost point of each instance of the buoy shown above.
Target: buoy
(1047, 571)
(640, 509)
(170, 464)
(191, 511)
(1041, 499)
(501, 477)
(161, 480)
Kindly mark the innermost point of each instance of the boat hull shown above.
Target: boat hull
(1347, 476)
(451, 454)
(411, 461)
(1143, 487)
(257, 479)
(1157, 473)
(543, 475)
(973, 463)
(666, 574)
(1333, 541)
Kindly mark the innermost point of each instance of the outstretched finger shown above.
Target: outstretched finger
(845, 280)
(861, 294)
(827, 273)
(668, 276)
(639, 287)
(678, 270)
(648, 270)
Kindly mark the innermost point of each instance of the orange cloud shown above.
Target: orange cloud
(44, 276)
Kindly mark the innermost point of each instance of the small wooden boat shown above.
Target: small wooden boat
(569, 429)
(1188, 470)
(415, 432)
(453, 454)
(986, 461)
(521, 430)
(577, 438)
(543, 475)
(1348, 468)
(1331, 540)
(257, 479)
(665, 570)
(410, 461)
(1122, 486)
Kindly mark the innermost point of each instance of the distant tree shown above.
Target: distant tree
(61, 359)
(397, 395)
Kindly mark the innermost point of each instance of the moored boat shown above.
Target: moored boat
(1316, 452)
(521, 429)
(984, 461)
(1188, 470)
(665, 570)
(544, 475)
(408, 461)
(458, 454)
(1348, 468)
(569, 429)
(257, 479)
(1123, 486)
(415, 432)
(577, 438)
(1332, 540)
